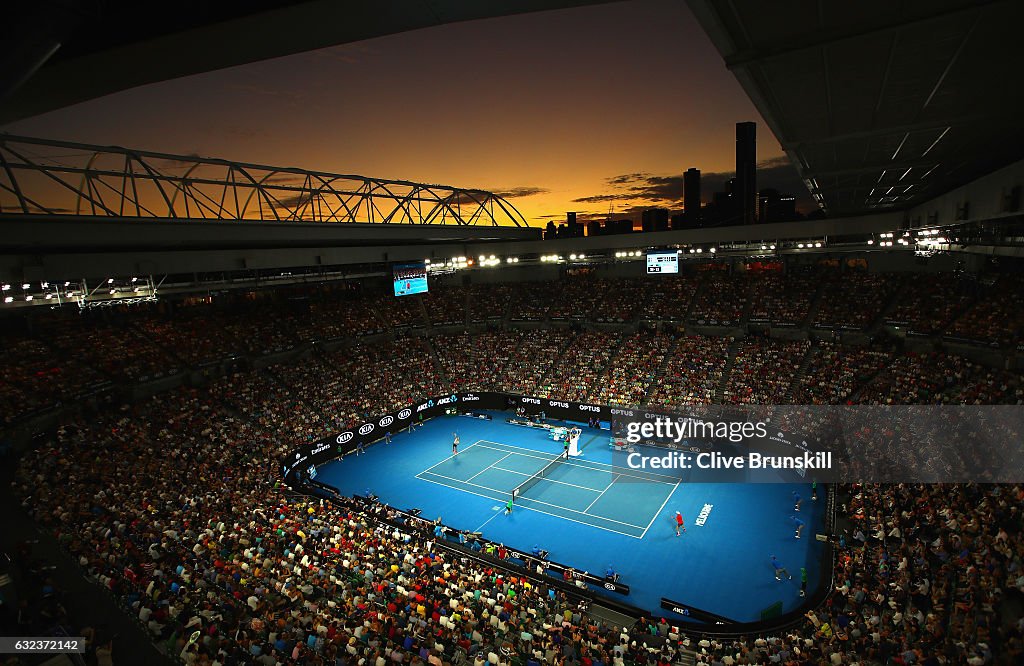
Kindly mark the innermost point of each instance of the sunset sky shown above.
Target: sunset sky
(574, 109)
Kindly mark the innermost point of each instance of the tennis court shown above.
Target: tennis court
(589, 514)
(581, 491)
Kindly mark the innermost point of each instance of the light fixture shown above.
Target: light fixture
(8, 299)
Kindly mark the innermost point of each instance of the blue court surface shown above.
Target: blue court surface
(589, 514)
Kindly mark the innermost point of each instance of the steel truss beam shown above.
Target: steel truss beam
(40, 176)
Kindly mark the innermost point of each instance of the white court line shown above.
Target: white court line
(564, 508)
(455, 454)
(553, 515)
(496, 514)
(491, 466)
(564, 483)
(658, 512)
(602, 493)
(670, 480)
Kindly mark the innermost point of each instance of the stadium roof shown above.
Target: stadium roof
(60, 52)
(880, 104)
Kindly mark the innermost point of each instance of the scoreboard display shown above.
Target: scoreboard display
(410, 279)
(662, 262)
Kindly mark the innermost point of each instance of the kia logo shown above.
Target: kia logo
(345, 437)
(404, 414)
(386, 421)
(366, 428)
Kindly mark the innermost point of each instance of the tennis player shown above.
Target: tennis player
(679, 523)
(455, 443)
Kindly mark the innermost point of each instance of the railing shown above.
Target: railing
(44, 177)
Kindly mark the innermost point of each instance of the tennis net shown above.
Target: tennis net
(536, 478)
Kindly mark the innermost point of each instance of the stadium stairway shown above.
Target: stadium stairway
(554, 364)
(812, 309)
(730, 361)
(868, 382)
(887, 307)
(428, 342)
(658, 375)
(800, 373)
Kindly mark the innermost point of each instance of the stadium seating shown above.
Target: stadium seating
(265, 576)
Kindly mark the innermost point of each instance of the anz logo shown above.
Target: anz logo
(404, 414)
(366, 429)
(345, 437)
(386, 421)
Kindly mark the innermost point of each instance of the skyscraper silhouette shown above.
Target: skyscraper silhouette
(691, 197)
(746, 172)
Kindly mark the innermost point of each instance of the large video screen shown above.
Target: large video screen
(410, 279)
(662, 262)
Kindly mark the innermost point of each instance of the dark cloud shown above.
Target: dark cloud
(521, 191)
(628, 178)
(772, 162)
(598, 198)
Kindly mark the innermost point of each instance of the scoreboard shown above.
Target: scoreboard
(662, 262)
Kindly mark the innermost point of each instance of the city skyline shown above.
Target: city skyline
(571, 110)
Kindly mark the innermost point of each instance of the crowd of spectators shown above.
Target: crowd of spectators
(269, 578)
(575, 373)
(667, 297)
(782, 299)
(535, 354)
(488, 302)
(347, 386)
(445, 306)
(476, 362)
(692, 374)
(835, 372)
(934, 378)
(995, 317)
(929, 304)
(634, 366)
(116, 350)
(33, 377)
(854, 299)
(763, 371)
(721, 300)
